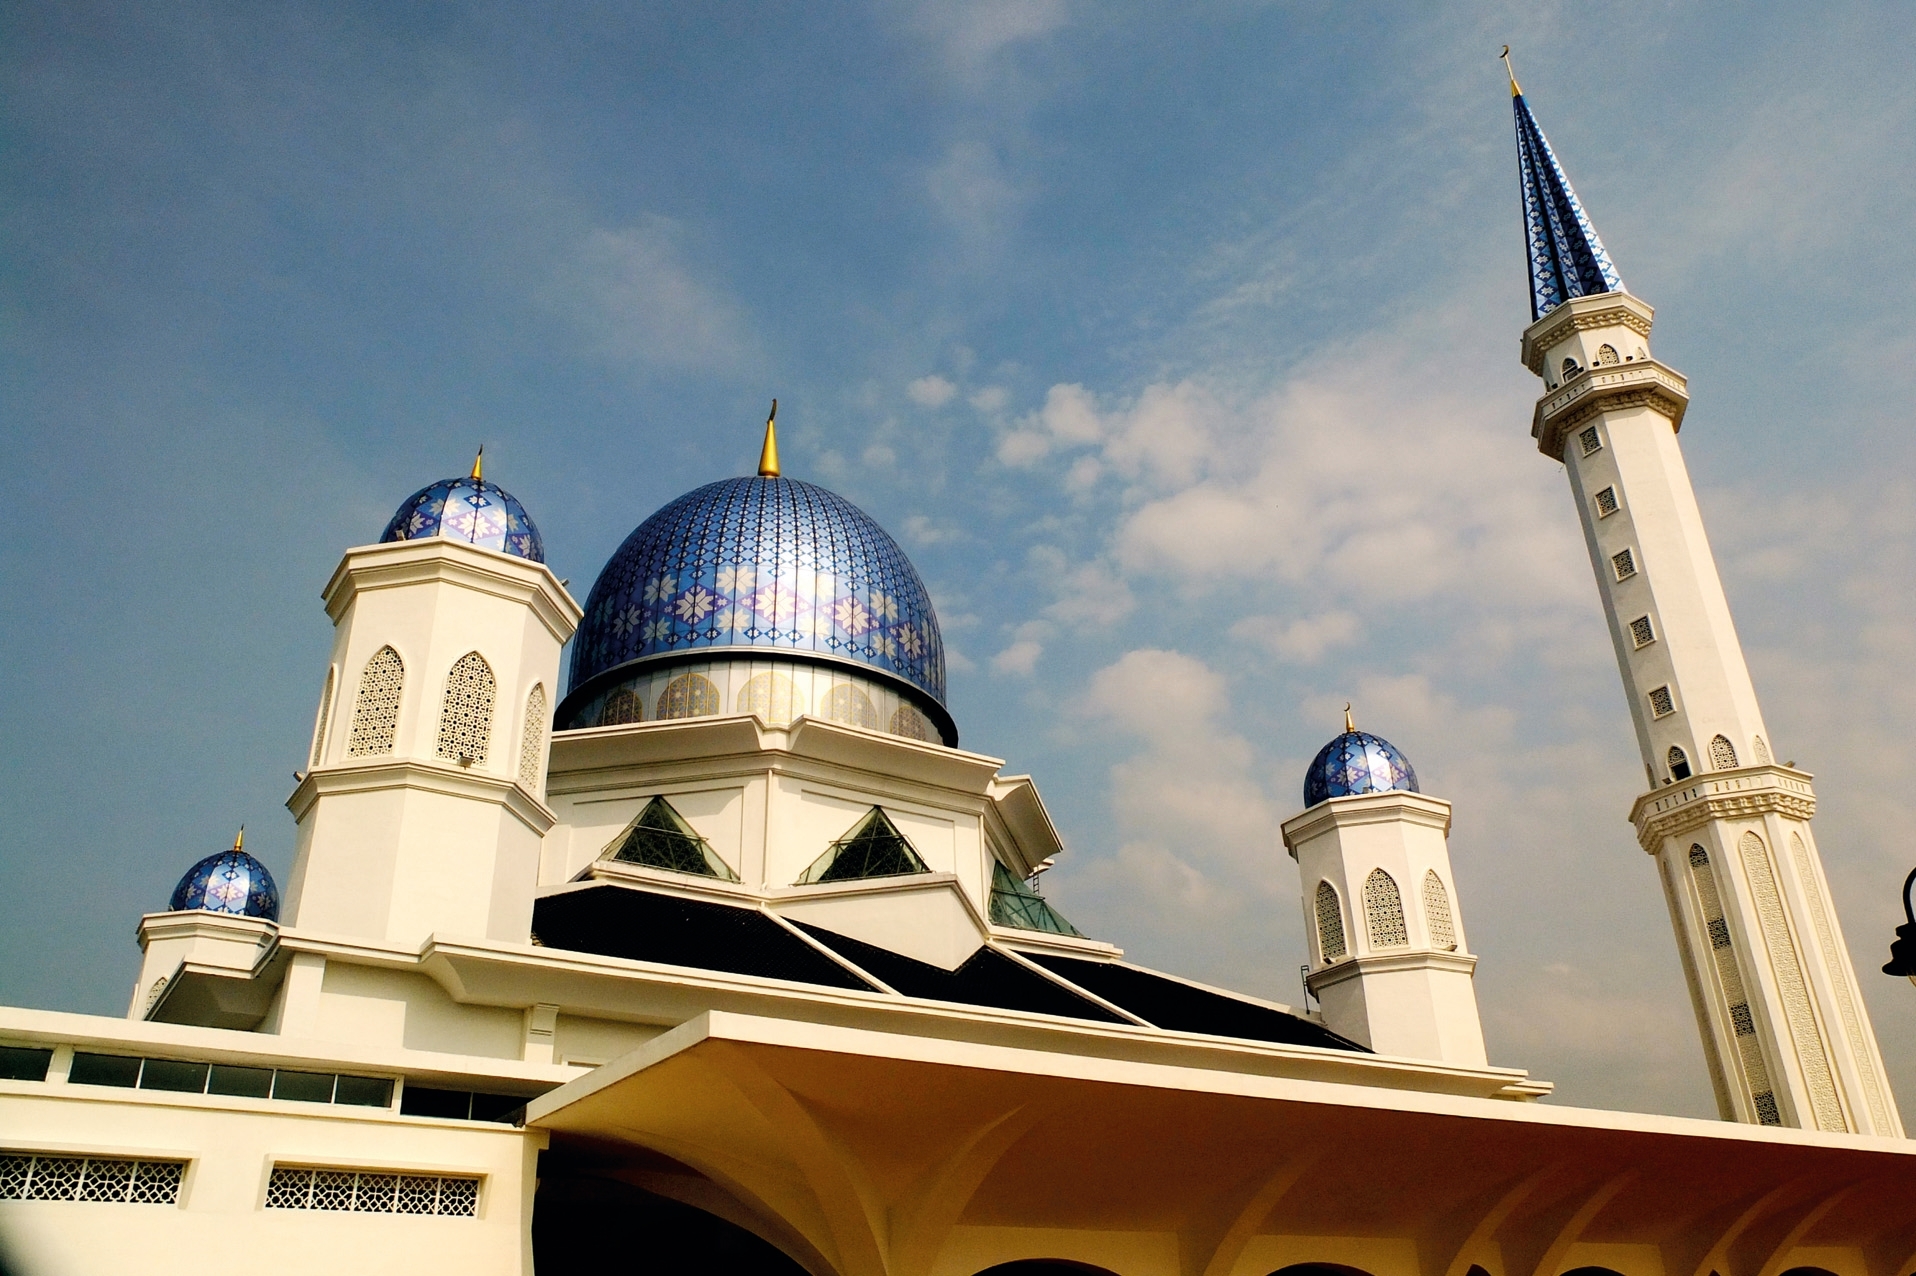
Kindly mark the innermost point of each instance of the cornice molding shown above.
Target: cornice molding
(1612, 389)
(1742, 794)
(431, 777)
(435, 559)
(1580, 314)
(1365, 808)
(1383, 963)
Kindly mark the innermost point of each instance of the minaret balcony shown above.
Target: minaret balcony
(1641, 383)
(1677, 809)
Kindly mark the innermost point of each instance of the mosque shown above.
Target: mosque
(727, 957)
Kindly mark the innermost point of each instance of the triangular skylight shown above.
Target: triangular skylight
(660, 838)
(874, 848)
(1015, 904)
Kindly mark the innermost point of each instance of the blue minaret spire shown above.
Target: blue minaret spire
(1566, 257)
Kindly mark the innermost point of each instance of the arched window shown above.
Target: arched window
(1679, 764)
(1791, 984)
(1330, 923)
(1437, 914)
(1762, 752)
(621, 707)
(848, 704)
(532, 738)
(465, 718)
(1606, 355)
(1570, 369)
(1384, 911)
(376, 708)
(324, 716)
(1722, 754)
(912, 724)
(773, 698)
(690, 695)
(1756, 1073)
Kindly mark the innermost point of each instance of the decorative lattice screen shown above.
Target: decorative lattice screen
(376, 708)
(465, 719)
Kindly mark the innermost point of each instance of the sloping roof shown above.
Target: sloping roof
(642, 925)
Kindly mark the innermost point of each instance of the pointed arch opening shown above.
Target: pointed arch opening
(465, 715)
(532, 738)
(323, 718)
(1438, 918)
(1679, 763)
(376, 707)
(1607, 355)
(1330, 924)
(1384, 911)
(1722, 754)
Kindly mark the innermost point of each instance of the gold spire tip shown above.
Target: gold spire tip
(1514, 90)
(768, 455)
(1350, 723)
(239, 839)
(479, 463)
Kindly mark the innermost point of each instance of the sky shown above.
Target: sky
(1177, 345)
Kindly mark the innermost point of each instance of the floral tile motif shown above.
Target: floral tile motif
(229, 882)
(1357, 762)
(470, 510)
(768, 564)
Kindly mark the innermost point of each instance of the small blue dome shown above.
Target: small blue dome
(769, 565)
(229, 882)
(1357, 762)
(470, 510)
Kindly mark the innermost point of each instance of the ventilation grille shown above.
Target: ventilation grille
(1384, 911)
(465, 721)
(359, 1192)
(1330, 923)
(376, 709)
(532, 740)
(1437, 914)
(29, 1177)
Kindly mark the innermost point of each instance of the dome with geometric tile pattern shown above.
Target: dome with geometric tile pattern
(471, 510)
(1357, 762)
(228, 882)
(764, 566)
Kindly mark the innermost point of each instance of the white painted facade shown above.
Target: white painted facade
(1784, 1027)
(1389, 966)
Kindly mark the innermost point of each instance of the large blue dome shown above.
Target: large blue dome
(1357, 762)
(470, 510)
(229, 882)
(769, 565)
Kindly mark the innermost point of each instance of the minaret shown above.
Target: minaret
(1785, 1032)
(423, 808)
(1389, 964)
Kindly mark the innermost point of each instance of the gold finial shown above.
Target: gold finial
(768, 457)
(239, 839)
(1350, 723)
(479, 462)
(1514, 90)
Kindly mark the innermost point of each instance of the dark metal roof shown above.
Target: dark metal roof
(644, 925)
(618, 921)
(987, 978)
(1174, 1004)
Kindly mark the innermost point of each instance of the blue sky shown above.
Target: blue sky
(1176, 344)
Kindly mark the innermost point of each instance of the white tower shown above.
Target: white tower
(1784, 1029)
(1389, 964)
(424, 810)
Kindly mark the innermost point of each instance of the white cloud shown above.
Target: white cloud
(973, 192)
(1020, 658)
(991, 398)
(1303, 641)
(970, 33)
(930, 391)
(639, 304)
